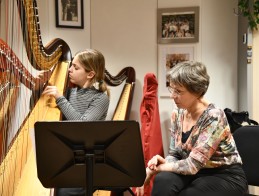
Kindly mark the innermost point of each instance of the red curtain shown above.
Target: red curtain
(150, 122)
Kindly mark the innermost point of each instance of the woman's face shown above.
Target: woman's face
(181, 96)
(77, 73)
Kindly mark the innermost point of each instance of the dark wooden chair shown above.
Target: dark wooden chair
(247, 141)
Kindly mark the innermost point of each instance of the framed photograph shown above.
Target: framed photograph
(69, 13)
(178, 25)
(168, 57)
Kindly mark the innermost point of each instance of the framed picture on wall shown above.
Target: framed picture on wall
(169, 56)
(69, 13)
(178, 25)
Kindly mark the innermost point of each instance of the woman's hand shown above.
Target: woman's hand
(140, 190)
(52, 91)
(155, 162)
(149, 174)
(152, 169)
(158, 164)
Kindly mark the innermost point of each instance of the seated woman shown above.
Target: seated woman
(203, 158)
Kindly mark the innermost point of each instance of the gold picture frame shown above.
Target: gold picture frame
(178, 25)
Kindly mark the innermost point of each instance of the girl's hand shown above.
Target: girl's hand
(41, 79)
(52, 91)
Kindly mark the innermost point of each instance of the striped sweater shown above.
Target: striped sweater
(87, 104)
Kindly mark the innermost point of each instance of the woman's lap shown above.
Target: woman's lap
(230, 181)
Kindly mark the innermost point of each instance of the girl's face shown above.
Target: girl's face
(78, 74)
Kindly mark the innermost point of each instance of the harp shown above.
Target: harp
(123, 107)
(18, 175)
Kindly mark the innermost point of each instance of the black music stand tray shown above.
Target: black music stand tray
(103, 155)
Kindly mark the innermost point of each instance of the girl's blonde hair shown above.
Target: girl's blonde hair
(93, 60)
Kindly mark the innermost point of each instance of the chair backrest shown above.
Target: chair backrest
(247, 141)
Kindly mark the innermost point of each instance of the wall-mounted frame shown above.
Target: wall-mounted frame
(69, 13)
(178, 25)
(169, 56)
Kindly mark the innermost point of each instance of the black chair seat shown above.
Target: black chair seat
(247, 141)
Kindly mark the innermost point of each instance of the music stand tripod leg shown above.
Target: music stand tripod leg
(89, 174)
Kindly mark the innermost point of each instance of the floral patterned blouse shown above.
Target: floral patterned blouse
(209, 145)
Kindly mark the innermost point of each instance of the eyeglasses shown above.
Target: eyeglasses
(174, 91)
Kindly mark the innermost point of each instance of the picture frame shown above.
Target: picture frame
(69, 13)
(169, 56)
(178, 25)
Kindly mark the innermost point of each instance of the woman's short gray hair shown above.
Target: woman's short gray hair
(192, 75)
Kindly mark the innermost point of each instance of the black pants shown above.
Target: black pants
(70, 192)
(224, 181)
(82, 192)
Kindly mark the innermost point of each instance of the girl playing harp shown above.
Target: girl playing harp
(88, 100)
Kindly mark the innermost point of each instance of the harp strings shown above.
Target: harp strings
(34, 57)
(15, 96)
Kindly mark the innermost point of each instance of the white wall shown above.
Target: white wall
(125, 32)
(219, 50)
(255, 82)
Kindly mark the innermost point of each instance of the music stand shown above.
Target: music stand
(95, 154)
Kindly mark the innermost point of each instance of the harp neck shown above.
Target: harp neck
(41, 57)
(127, 75)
